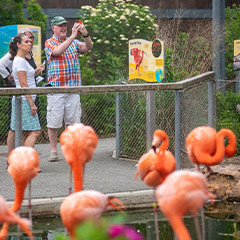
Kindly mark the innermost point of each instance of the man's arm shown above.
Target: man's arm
(5, 63)
(64, 46)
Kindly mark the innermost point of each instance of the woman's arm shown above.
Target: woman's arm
(22, 76)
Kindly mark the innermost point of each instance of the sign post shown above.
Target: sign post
(146, 62)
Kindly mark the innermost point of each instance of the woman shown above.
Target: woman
(23, 74)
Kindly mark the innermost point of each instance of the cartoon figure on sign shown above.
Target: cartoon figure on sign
(138, 57)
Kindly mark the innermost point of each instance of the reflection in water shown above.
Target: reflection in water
(221, 222)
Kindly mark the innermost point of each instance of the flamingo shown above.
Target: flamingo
(206, 146)
(181, 193)
(78, 143)
(23, 166)
(85, 205)
(10, 217)
(155, 165)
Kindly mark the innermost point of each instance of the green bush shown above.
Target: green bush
(227, 115)
(111, 24)
(232, 29)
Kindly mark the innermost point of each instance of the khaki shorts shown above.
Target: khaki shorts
(63, 107)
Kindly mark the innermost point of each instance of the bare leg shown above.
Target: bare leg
(31, 138)
(11, 141)
(52, 134)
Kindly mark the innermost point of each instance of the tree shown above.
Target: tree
(12, 12)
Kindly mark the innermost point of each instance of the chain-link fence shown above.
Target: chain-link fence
(124, 118)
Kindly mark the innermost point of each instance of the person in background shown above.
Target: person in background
(24, 76)
(6, 73)
(64, 70)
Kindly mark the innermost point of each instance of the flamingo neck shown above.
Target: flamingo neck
(78, 171)
(19, 195)
(4, 231)
(165, 143)
(179, 228)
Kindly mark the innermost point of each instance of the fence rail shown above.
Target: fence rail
(124, 116)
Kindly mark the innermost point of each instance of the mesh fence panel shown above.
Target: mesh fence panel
(105, 172)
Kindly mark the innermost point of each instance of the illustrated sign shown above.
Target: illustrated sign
(146, 60)
(7, 32)
(236, 60)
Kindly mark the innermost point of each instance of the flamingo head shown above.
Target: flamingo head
(158, 137)
(78, 141)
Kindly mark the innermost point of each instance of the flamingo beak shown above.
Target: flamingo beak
(113, 199)
(154, 149)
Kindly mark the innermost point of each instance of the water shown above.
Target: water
(221, 223)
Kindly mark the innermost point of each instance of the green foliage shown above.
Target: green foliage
(189, 56)
(99, 112)
(232, 29)
(227, 115)
(11, 12)
(111, 24)
(35, 15)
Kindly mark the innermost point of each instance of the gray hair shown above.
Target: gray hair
(24, 30)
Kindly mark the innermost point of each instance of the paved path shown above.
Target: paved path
(103, 173)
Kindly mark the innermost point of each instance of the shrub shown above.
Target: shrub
(227, 115)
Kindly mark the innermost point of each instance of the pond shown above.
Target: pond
(221, 223)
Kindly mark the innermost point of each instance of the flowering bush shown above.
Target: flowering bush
(105, 229)
(111, 24)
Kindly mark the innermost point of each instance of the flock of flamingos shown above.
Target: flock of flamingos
(178, 192)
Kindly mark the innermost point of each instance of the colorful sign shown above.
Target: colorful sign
(146, 60)
(236, 60)
(7, 32)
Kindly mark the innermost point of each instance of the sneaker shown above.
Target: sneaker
(53, 157)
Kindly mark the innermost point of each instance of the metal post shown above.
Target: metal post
(178, 126)
(118, 120)
(18, 121)
(238, 82)
(218, 39)
(150, 117)
(212, 103)
(118, 125)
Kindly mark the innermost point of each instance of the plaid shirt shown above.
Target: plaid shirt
(64, 70)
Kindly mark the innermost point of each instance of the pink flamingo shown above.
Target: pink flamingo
(181, 193)
(206, 146)
(10, 217)
(85, 205)
(78, 144)
(23, 167)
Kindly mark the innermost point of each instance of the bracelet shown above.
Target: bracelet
(86, 36)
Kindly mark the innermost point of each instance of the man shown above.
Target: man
(64, 70)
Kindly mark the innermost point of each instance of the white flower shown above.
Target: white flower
(142, 19)
(121, 36)
(99, 40)
(87, 7)
(146, 7)
(127, 11)
(98, 60)
(155, 25)
(106, 41)
(98, 10)
(123, 18)
(93, 14)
